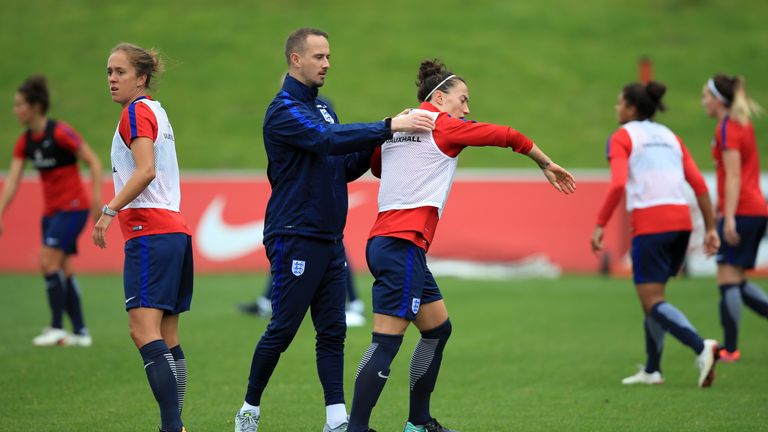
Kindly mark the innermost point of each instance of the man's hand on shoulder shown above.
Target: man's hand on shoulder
(412, 122)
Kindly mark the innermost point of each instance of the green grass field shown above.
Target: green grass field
(550, 68)
(532, 355)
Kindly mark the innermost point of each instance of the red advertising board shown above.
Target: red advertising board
(488, 218)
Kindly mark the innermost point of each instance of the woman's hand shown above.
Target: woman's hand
(711, 242)
(729, 232)
(100, 231)
(597, 239)
(560, 179)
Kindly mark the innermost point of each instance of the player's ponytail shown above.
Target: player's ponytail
(433, 76)
(147, 62)
(158, 65)
(35, 92)
(646, 98)
(743, 107)
(656, 91)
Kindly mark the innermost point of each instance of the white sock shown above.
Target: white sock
(336, 415)
(247, 406)
(264, 303)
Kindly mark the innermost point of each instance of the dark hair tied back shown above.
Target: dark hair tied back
(656, 91)
(35, 91)
(646, 98)
(431, 74)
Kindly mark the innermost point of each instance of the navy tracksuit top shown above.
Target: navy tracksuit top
(311, 157)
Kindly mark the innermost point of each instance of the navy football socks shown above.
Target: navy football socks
(425, 366)
(160, 369)
(181, 374)
(672, 320)
(754, 297)
(732, 296)
(54, 283)
(654, 344)
(371, 377)
(72, 305)
(730, 314)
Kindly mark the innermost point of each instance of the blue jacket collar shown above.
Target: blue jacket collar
(298, 90)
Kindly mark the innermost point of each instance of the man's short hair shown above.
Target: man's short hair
(297, 40)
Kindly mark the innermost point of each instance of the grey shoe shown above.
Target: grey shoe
(247, 421)
(340, 428)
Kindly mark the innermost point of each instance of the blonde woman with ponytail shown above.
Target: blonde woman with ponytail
(741, 203)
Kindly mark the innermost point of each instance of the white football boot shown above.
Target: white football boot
(51, 337)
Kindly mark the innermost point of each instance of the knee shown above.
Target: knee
(331, 338)
(48, 263)
(650, 302)
(729, 274)
(136, 336)
(729, 288)
(277, 338)
(335, 332)
(388, 343)
(442, 332)
(141, 336)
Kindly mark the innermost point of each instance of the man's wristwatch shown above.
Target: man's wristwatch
(108, 211)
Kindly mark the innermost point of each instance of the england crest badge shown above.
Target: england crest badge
(326, 115)
(415, 303)
(298, 267)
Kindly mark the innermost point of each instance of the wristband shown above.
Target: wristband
(388, 124)
(108, 211)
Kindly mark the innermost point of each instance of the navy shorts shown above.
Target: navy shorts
(751, 230)
(158, 272)
(657, 257)
(403, 281)
(61, 229)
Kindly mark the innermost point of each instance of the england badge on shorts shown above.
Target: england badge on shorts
(415, 303)
(298, 267)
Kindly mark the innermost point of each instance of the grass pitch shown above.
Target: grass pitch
(550, 68)
(533, 355)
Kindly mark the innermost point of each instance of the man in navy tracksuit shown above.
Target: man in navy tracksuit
(311, 159)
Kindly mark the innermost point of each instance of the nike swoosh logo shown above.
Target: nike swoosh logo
(381, 375)
(126, 302)
(219, 241)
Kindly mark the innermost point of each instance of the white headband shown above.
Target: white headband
(716, 93)
(437, 87)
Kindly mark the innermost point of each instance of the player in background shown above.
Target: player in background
(54, 149)
(741, 203)
(416, 171)
(651, 163)
(311, 159)
(158, 272)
